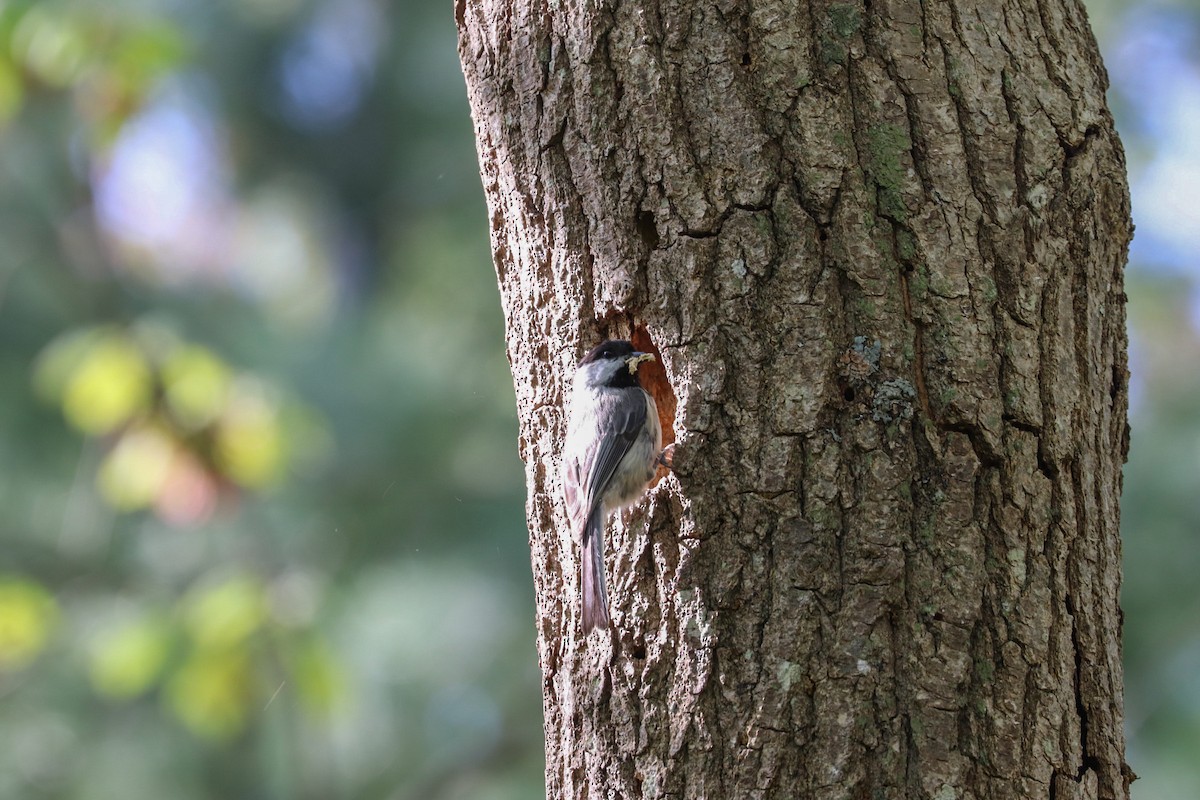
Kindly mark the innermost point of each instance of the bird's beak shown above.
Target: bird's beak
(638, 358)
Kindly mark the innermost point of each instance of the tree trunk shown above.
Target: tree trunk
(878, 247)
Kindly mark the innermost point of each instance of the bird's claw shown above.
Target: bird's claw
(667, 457)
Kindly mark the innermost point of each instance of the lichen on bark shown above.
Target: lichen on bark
(879, 249)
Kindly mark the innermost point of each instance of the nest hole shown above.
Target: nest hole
(654, 381)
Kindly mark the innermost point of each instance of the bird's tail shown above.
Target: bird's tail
(595, 597)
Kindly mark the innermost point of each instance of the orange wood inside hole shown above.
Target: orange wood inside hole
(654, 380)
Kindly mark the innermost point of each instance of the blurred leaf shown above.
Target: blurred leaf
(281, 246)
(110, 384)
(196, 383)
(126, 661)
(320, 680)
(11, 92)
(60, 360)
(211, 693)
(249, 442)
(52, 45)
(148, 51)
(115, 89)
(134, 472)
(27, 615)
(224, 615)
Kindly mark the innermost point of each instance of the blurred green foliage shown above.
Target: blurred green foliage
(27, 614)
(263, 531)
(263, 521)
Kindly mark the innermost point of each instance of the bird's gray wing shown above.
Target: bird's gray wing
(627, 422)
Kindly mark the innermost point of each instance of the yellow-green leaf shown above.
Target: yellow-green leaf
(320, 680)
(211, 693)
(126, 661)
(134, 471)
(51, 44)
(196, 384)
(147, 52)
(111, 385)
(249, 440)
(27, 616)
(12, 93)
(224, 615)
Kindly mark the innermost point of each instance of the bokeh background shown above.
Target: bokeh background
(261, 512)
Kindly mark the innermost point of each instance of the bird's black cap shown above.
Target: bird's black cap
(613, 348)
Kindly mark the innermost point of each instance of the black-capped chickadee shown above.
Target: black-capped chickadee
(609, 457)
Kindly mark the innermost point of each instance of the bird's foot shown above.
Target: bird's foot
(667, 456)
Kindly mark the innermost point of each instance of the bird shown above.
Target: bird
(610, 455)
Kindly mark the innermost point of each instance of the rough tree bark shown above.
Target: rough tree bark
(879, 249)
